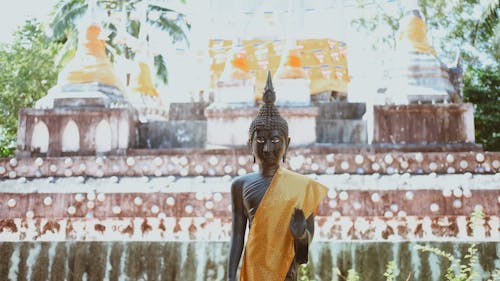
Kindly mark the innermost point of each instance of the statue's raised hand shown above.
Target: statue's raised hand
(298, 224)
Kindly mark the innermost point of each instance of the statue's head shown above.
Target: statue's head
(268, 133)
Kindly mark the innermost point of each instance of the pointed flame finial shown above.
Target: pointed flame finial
(268, 117)
(269, 96)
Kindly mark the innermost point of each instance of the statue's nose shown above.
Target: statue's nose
(267, 146)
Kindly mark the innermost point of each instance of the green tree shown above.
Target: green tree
(482, 88)
(126, 24)
(27, 71)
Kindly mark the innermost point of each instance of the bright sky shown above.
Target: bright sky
(363, 65)
(16, 12)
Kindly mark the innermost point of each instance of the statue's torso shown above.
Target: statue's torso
(254, 187)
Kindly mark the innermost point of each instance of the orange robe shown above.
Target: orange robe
(269, 251)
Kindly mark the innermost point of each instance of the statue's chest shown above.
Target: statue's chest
(253, 193)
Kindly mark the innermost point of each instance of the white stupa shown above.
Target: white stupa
(416, 73)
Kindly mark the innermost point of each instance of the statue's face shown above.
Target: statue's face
(269, 146)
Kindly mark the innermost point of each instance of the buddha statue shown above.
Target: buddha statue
(277, 204)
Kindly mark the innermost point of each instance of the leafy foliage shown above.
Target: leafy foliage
(459, 269)
(66, 12)
(463, 270)
(173, 27)
(352, 275)
(304, 272)
(27, 71)
(482, 88)
(390, 273)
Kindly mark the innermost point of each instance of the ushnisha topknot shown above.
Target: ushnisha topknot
(268, 117)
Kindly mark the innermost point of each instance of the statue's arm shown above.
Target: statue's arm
(239, 224)
(303, 231)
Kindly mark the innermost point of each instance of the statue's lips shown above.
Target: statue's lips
(269, 158)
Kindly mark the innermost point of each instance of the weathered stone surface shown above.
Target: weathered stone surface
(173, 134)
(93, 87)
(126, 261)
(207, 261)
(187, 111)
(234, 122)
(318, 159)
(341, 110)
(228, 125)
(87, 128)
(340, 122)
(370, 259)
(83, 94)
(341, 131)
(79, 102)
(425, 213)
(424, 124)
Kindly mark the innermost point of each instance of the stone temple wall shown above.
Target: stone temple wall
(205, 261)
(167, 215)
(232, 162)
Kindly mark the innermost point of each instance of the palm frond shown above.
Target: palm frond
(496, 43)
(134, 28)
(67, 52)
(161, 68)
(67, 11)
(110, 42)
(175, 28)
(485, 27)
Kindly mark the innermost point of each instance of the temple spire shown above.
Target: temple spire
(412, 34)
(269, 94)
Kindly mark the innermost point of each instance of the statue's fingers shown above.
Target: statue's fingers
(300, 213)
(293, 220)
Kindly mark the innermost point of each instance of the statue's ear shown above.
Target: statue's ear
(286, 148)
(250, 141)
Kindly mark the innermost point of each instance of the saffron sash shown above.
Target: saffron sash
(269, 251)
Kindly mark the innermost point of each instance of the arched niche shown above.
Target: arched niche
(71, 137)
(123, 134)
(40, 137)
(103, 137)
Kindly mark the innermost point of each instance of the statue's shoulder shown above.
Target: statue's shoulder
(295, 175)
(301, 179)
(244, 179)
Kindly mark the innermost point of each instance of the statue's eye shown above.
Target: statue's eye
(276, 140)
(260, 140)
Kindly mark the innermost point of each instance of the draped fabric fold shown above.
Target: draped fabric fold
(269, 251)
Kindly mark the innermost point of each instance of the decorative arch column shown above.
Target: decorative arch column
(70, 137)
(40, 137)
(103, 141)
